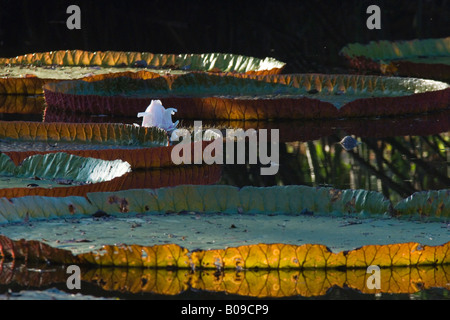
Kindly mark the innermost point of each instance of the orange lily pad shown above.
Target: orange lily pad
(260, 256)
(22, 104)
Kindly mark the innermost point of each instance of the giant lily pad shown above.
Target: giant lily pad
(27, 73)
(428, 58)
(199, 62)
(338, 267)
(48, 174)
(194, 231)
(141, 147)
(248, 97)
(31, 84)
(228, 199)
(259, 256)
(286, 199)
(61, 186)
(434, 203)
(70, 167)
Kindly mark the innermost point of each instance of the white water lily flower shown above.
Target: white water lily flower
(157, 116)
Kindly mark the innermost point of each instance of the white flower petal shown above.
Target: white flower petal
(157, 116)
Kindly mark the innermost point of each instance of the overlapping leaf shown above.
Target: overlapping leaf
(273, 200)
(202, 62)
(228, 199)
(157, 178)
(221, 198)
(30, 84)
(253, 97)
(426, 204)
(57, 165)
(249, 257)
(151, 142)
(138, 158)
(426, 58)
(104, 133)
(391, 50)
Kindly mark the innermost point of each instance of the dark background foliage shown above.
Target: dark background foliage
(306, 34)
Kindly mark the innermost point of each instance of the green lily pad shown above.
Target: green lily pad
(228, 199)
(434, 204)
(392, 50)
(193, 62)
(63, 166)
(427, 58)
(69, 72)
(27, 73)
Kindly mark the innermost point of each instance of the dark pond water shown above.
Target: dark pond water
(397, 157)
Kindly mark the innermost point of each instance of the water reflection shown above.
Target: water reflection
(395, 166)
(397, 156)
(22, 105)
(128, 283)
